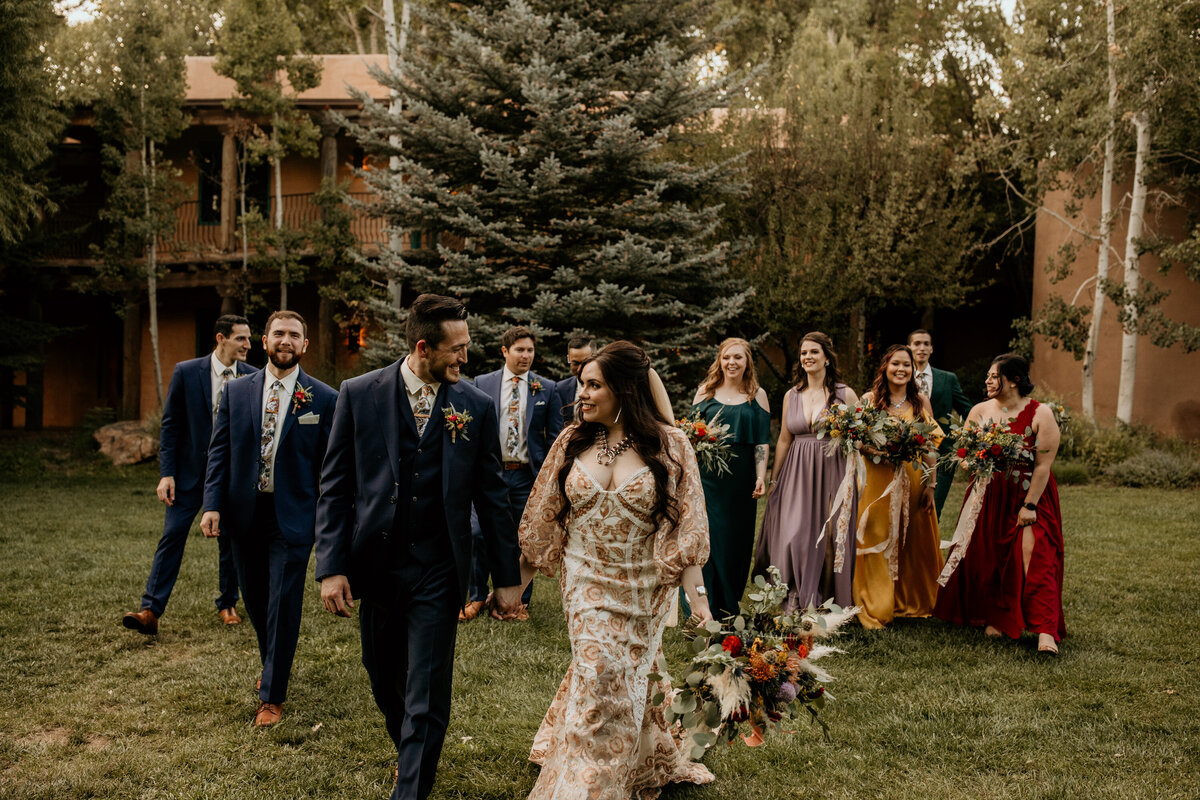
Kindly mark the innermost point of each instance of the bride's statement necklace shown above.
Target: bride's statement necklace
(607, 455)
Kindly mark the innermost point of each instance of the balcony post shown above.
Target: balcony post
(229, 188)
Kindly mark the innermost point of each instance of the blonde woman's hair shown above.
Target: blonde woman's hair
(715, 377)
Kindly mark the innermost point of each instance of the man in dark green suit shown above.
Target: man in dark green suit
(945, 395)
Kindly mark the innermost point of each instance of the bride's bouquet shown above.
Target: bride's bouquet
(754, 670)
(984, 451)
(710, 440)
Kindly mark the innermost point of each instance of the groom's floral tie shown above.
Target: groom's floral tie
(423, 408)
(512, 441)
(266, 447)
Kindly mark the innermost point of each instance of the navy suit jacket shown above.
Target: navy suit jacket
(543, 413)
(187, 422)
(565, 389)
(360, 474)
(232, 482)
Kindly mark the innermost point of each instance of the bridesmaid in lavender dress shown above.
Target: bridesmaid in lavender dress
(804, 482)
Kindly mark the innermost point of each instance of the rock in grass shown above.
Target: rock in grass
(126, 442)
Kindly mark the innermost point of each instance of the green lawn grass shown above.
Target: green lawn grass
(923, 709)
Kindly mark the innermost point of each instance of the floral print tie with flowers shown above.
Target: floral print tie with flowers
(266, 447)
(225, 376)
(921, 384)
(512, 441)
(423, 408)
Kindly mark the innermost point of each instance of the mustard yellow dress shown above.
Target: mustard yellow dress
(917, 547)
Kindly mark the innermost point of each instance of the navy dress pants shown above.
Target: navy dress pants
(520, 484)
(164, 570)
(408, 650)
(272, 571)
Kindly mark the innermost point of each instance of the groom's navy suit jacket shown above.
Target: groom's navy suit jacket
(543, 412)
(187, 422)
(374, 455)
(232, 484)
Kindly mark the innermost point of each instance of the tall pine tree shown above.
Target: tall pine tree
(539, 162)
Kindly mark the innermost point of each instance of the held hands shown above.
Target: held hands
(210, 523)
(701, 611)
(166, 490)
(336, 596)
(506, 601)
(759, 489)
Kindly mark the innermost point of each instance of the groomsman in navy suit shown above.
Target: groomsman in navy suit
(945, 395)
(579, 350)
(530, 415)
(187, 421)
(264, 470)
(412, 448)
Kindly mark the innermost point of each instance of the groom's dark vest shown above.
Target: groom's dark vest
(419, 527)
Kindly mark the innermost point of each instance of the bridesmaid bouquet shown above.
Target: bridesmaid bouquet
(849, 428)
(753, 670)
(710, 440)
(906, 441)
(984, 451)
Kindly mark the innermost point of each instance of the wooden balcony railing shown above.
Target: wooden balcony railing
(74, 230)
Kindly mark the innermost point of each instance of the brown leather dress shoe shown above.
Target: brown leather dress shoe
(144, 621)
(470, 611)
(268, 714)
(229, 616)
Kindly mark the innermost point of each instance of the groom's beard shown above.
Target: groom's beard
(284, 360)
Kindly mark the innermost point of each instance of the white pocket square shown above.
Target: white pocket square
(309, 419)
(540, 403)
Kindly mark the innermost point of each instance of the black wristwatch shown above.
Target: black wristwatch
(1029, 506)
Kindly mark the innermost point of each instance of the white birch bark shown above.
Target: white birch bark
(395, 44)
(1137, 218)
(1088, 399)
(277, 168)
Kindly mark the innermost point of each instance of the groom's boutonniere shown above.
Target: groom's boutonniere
(301, 398)
(535, 386)
(456, 422)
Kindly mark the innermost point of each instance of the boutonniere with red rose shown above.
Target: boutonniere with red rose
(456, 422)
(535, 386)
(301, 398)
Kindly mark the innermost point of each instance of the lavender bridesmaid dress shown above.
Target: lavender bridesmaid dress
(796, 510)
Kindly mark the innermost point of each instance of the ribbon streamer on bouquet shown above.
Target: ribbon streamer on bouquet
(842, 501)
(965, 528)
(898, 491)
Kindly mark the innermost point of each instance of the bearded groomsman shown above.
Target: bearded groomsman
(187, 421)
(530, 414)
(412, 449)
(579, 350)
(264, 471)
(945, 395)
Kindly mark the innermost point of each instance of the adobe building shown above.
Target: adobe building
(1167, 389)
(104, 358)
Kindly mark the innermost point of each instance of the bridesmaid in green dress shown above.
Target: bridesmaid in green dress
(731, 392)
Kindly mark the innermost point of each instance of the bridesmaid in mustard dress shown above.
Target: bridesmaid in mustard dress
(913, 593)
(618, 512)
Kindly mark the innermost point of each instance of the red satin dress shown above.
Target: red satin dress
(990, 585)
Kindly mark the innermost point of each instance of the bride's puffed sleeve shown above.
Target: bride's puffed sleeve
(542, 538)
(684, 544)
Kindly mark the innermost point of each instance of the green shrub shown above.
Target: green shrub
(1101, 447)
(1156, 468)
(1071, 473)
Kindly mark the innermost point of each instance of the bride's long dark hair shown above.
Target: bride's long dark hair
(626, 369)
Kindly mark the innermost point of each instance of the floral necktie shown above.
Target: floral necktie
(512, 440)
(423, 408)
(225, 376)
(922, 384)
(266, 447)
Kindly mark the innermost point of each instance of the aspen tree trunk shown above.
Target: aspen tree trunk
(152, 272)
(1133, 275)
(395, 48)
(277, 168)
(1106, 212)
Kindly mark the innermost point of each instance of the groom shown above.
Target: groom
(945, 395)
(411, 449)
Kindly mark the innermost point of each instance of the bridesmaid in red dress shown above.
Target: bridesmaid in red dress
(1011, 577)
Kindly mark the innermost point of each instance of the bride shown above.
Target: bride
(618, 512)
